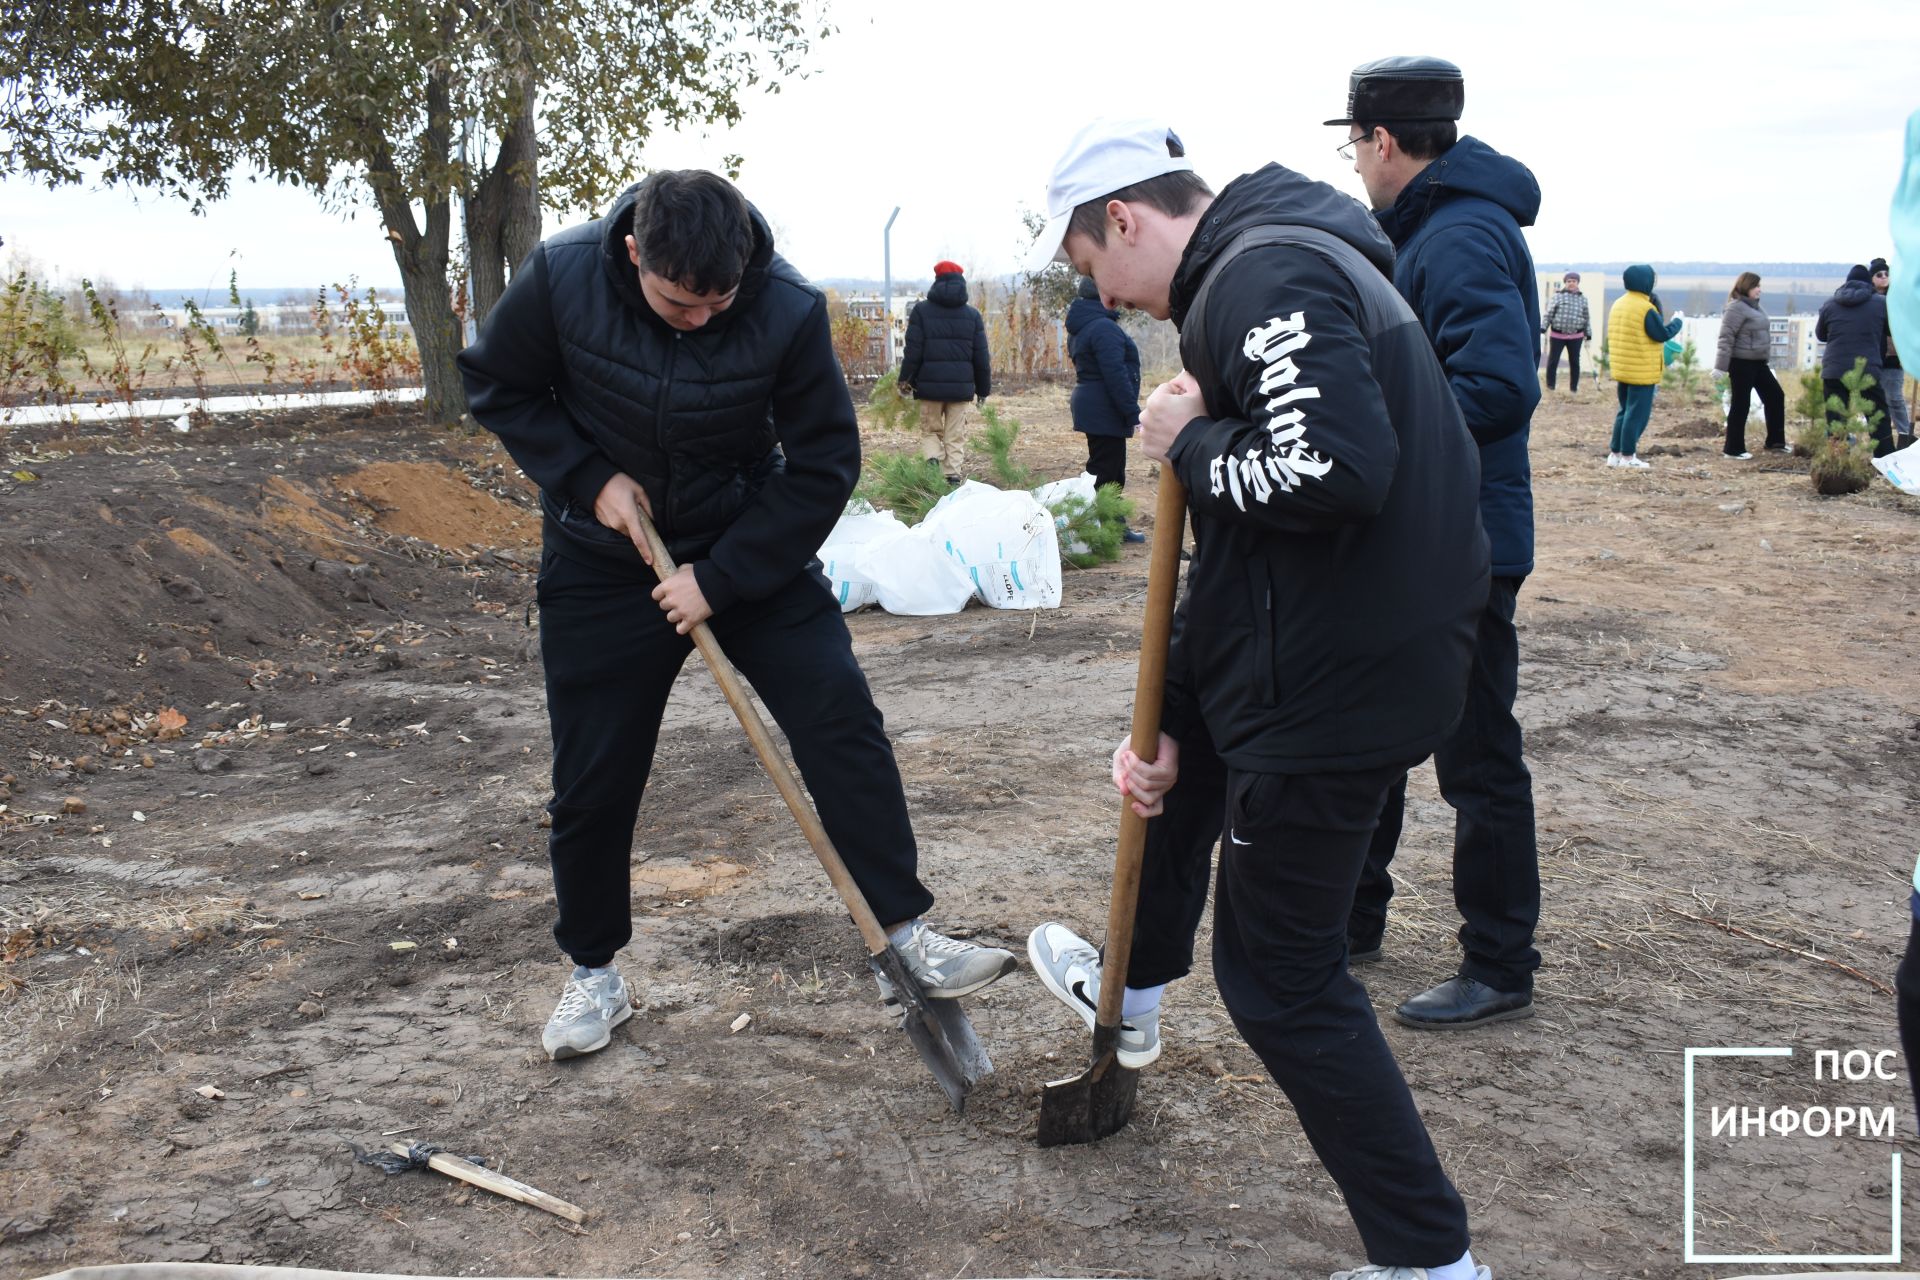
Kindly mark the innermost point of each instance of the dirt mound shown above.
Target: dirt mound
(196, 574)
(436, 503)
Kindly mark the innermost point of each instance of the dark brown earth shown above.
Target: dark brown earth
(1724, 726)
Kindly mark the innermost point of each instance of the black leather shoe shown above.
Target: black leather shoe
(1462, 1002)
(1362, 950)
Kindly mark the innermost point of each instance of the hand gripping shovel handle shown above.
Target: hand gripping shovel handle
(938, 1029)
(783, 780)
(1163, 577)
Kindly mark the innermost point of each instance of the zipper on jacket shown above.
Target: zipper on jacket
(1264, 655)
(660, 428)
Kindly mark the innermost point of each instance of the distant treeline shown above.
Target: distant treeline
(302, 295)
(1831, 270)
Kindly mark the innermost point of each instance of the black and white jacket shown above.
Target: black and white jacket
(1339, 568)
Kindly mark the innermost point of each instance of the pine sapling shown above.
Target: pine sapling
(998, 440)
(904, 484)
(1096, 526)
(1843, 439)
(895, 411)
(1810, 407)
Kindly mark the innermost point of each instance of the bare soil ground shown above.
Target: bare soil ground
(270, 704)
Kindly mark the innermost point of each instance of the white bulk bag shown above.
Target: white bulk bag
(1005, 543)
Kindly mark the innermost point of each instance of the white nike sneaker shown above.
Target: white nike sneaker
(1070, 968)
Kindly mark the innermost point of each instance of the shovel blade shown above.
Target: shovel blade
(937, 1029)
(1093, 1104)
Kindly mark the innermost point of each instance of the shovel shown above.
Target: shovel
(1099, 1101)
(938, 1029)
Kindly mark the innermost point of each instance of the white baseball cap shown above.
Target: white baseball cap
(1104, 157)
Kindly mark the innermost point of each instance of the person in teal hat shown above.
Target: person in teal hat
(1637, 335)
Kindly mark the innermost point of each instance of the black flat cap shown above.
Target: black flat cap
(1404, 90)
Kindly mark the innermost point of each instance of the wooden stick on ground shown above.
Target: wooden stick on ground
(498, 1183)
(1738, 932)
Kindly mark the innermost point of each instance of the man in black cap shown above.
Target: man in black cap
(1453, 208)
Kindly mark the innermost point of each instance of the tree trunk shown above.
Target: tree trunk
(422, 258)
(503, 217)
(436, 331)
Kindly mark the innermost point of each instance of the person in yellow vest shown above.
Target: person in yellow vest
(1636, 336)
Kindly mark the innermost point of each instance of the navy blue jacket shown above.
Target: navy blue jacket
(945, 357)
(1106, 398)
(1463, 266)
(1853, 324)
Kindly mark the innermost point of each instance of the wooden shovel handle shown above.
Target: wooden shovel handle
(498, 1183)
(735, 691)
(1163, 582)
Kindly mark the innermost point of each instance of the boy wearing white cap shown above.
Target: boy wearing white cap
(1321, 647)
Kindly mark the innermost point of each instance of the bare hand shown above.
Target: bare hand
(682, 601)
(1148, 784)
(1169, 409)
(619, 506)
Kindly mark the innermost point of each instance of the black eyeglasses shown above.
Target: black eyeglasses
(1345, 149)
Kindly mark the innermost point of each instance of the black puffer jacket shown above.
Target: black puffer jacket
(742, 431)
(945, 357)
(1339, 568)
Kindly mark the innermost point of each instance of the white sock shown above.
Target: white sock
(581, 971)
(1138, 1000)
(1461, 1270)
(904, 934)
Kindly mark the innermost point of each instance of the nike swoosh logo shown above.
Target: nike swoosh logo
(1246, 844)
(1079, 990)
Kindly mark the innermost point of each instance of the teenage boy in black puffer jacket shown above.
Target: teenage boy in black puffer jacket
(946, 367)
(665, 359)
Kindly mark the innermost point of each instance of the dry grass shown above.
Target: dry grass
(61, 965)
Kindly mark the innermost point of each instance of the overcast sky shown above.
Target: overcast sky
(1728, 130)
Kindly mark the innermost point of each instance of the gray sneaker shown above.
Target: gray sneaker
(1070, 968)
(589, 1009)
(1374, 1272)
(948, 967)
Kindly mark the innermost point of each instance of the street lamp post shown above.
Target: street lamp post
(886, 295)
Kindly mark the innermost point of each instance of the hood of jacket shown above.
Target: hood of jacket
(1638, 278)
(948, 291)
(1274, 194)
(1468, 169)
(617, 225)
(1084, 312)
(1853, 293)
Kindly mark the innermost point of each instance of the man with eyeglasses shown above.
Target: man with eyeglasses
(1453, 207)
(1893, 378)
